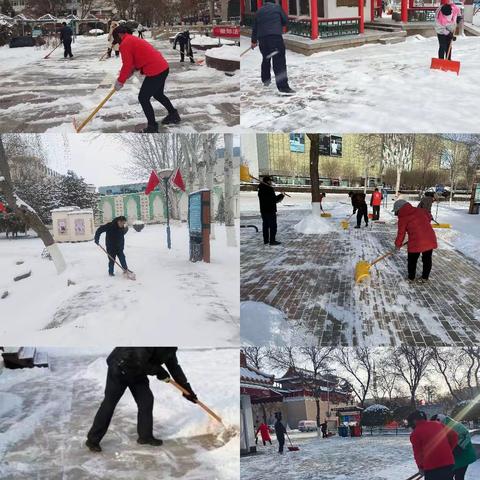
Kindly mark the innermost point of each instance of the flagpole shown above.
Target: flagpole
(169, 240)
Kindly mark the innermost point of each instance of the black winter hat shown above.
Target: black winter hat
(266, 178)
(446, 9)
(124, 29)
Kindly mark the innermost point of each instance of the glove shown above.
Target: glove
(164, 377)
(191, 397)
(118, 86)
(454, 38)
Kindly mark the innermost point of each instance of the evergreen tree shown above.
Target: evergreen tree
(220, 217)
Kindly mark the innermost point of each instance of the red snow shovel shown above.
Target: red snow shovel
(291, 447)
(128, 273)
(444, 64)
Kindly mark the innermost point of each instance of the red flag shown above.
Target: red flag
(152, 183)
(177, 180)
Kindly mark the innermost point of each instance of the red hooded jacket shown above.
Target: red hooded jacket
(433, 445)
(376, 199)
(263, 429)
(415, 222)
(138, 54)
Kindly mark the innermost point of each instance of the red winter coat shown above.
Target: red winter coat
(433, 445)
(138, 54)
(376, 199)
(415, 222)
(263, 429)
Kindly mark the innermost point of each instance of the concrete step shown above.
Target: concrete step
(391, 40)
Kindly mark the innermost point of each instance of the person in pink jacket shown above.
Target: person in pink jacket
(445, 27)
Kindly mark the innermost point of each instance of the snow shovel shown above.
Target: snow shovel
(130, 275)
(246, 51)
(417, 476)
(444, 64)
(346, 223)
(48, 54)
(103, 56)
(326, 215)
(291, 447)
(362, 269)
(100, 105)
(440, 225)
(199, 403)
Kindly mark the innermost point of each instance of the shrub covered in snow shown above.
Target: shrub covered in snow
(376, 416)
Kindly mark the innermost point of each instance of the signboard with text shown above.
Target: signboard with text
(226, 32)
(199, 225)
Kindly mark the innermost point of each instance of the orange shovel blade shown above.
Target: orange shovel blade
(445, 65)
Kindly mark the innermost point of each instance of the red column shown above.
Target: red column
(259, 4)
(314, 18)
(285, 9)
(361, 14)
(372, 10)
(404, 11)
(242, 8)
(410, 3)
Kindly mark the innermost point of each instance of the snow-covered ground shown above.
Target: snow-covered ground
(372, 88)
(172, 301)
(305, 290)
(337, 458)
(45, 415)
(38, 95)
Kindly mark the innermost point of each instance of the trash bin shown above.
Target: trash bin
(357, 431)
(343, 431)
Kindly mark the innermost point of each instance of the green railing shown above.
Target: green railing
(302, 28)
(338, 27)
(421, 14)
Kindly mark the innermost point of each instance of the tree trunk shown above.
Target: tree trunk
(27, 215)
(314, 177)
(229, 194)
(397, 185)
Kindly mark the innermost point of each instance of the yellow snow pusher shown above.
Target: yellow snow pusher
(362, 268)
(346, 223)
(246, 177)
(326, 215)
(440, 225)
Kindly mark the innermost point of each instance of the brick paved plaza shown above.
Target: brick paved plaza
(310, 278)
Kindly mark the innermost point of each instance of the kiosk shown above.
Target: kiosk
(199, 225)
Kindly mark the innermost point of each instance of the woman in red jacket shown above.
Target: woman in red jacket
(138, 54)
(433, 446)
(375, 203)
(416, 222)
(265, 434)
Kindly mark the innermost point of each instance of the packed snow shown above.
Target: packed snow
(51, 410)
(200, 300)
(39, 95)
(371, 88)
(337, 458)
(230, 53)
(313, 224)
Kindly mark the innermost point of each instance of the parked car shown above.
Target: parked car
(307, 425)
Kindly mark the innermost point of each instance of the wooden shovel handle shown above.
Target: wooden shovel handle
(100, 105)
(246, 51)
(260, 181)
(385, 256)
(199, 403)
(111, 258)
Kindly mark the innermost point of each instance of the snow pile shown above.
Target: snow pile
(376, 408)
(204, 41)
(226, 52)
(313, 224)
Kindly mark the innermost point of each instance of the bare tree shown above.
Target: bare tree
(209, 146)
(229, 192)
(369, 147)
(255, 356)
(428, 149)
(358, 363)
(314, 178)
(26, 213)
(398, 153)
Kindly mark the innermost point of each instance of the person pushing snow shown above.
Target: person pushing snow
(359, 207)
(113, 40)
(268, 209)
(280, 432)
(66, 34)
(129, 367)
(445, 27)
(138, 54)
(115, 232)
(183, 39)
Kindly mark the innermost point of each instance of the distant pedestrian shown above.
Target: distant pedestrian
(324, 428)
(385, 196)
(416, 222)
(268, 209)
(140, 30)
(113, 40)
(264, 433)
(464, 453)
(267, 32)
(375, 203)
(66, 34)
(280, 432)
(359, 207)
(433, 446)
(427, 201)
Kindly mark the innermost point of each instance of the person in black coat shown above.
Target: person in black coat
(359, 205)
(183, 39)
(129, 367)
(267, 31)
(324, 427)
(268, 209)
(280, 432)
(66, 35)
(115, 241)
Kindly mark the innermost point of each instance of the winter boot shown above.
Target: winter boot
(275, 243)
(93, 447)
(154, 442)
(357, 226)
(267, 83)
(172, 117)
(286, 91)
(151, 128)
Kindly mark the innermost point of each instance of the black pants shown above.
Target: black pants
(444, 473)
(121, 258)
(376, 212)
(67, 48)
(460, 473)
(444, 42)
(281, 443)
(154, 87)
(114, 390)
(426, 261)
(324, 435)
(265, 442)
(362, 212)
(189, 52)
(269, 226)
(269, 45)
(140, 34)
